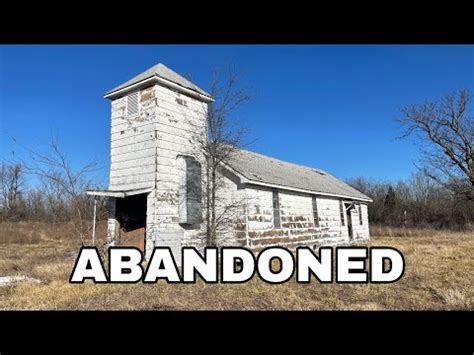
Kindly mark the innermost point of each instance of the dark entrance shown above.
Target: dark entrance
(131, 216)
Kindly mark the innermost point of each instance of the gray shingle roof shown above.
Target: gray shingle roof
(164, 72)
(262, 169)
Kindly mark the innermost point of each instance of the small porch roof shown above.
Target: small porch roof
(118, 193)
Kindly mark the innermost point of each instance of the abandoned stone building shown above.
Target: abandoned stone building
(154, 117)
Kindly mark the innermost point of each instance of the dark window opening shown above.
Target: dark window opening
(315, 212)
(341, 210)
(360, 215)
(276, 210)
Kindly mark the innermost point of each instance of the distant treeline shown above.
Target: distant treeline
(416, 202)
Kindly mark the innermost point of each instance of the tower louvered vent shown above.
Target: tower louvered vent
(132, 104)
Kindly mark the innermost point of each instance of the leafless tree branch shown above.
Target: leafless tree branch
(447, 129)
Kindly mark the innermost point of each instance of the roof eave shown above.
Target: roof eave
(311, 192)
(159, 80)
(118, 193)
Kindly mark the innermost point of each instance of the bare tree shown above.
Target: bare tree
(64, 185)
(446, 128)
(11, 182)
(224, 134)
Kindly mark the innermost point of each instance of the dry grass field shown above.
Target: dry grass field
(439, 275)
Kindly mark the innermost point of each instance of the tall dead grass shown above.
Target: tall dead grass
(19, 233)
(393, 232)
(439, 274)
(35, 232)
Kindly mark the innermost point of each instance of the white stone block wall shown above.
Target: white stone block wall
(330, 224)
(297, 222)
(360, 231)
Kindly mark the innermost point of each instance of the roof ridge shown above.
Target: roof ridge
(160, 70)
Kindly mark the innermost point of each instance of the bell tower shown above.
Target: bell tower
(155, 119)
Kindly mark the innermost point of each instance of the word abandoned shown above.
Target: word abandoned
(238, 265)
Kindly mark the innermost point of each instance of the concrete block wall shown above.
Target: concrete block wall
(297, 222)
(360, 231)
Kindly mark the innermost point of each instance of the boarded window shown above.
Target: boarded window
(341, 210)
(360, 215)
(276, 210)
(190, 206)
(132, 104)
(315, 212)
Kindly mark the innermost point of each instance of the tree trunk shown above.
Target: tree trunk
(208, 205)
(213, 204)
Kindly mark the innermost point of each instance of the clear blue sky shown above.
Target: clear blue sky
(330, 107)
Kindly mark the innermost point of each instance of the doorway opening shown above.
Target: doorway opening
(131, 217)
